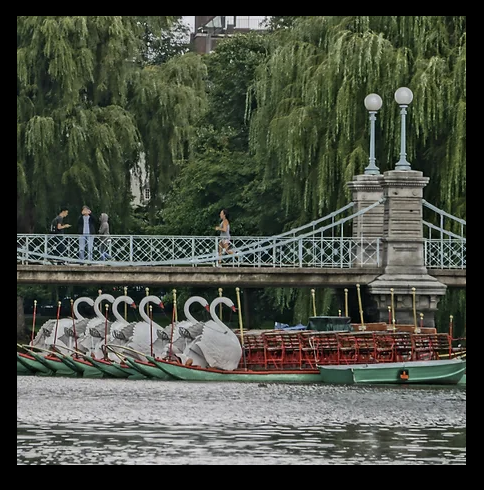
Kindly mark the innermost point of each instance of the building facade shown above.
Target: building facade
(209, 29)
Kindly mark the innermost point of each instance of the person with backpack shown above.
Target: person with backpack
(57, 227)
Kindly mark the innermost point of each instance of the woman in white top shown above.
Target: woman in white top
(224, 228)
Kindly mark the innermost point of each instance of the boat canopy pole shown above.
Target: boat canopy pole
(414, 310)
(173, 316)
(151, 330)
(362, 326)
(241, 326)
(33, 322)
(313, 295)
(106, 331)
(392, 296)
(73, 323)
(57, 321)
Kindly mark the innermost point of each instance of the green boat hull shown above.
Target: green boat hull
(34, 365)
(114, 370)
(82, 367)
(193, 373)
(149, 370)
(56, 365)
(411, 372)
(23, 370)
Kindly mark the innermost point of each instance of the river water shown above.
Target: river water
(65, 421)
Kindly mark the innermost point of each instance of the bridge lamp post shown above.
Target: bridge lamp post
(373, 104)
(403, 97)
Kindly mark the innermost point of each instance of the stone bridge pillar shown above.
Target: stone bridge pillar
(403, 252)
(366, 190)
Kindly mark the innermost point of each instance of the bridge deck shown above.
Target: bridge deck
(214, 276)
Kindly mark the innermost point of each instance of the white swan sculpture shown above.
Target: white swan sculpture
(121, 330)
(44, 333)
(92, 340)
(217, 346)
(146, 332)
(75, 327)
(61, 334)
(120, 323)
(185, 331)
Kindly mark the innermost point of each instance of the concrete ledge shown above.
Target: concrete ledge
(453, 278)
(256, 277)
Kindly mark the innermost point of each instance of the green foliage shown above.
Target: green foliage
(81, 123)
(307, 127)
(214, 181)
(31, 293)
(453, 303)
(270, 126)
(276, 22)
(163, 42)
(230, 72)
(167, 101)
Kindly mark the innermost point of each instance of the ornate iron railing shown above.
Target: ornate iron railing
(321, 243)
(444, 248)
(142, 250)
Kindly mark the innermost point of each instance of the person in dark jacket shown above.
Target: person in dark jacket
(86, 228)
(57, 227)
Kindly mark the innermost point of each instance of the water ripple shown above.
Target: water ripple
(119, 422)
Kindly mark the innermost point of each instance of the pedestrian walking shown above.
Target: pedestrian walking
(224, 228)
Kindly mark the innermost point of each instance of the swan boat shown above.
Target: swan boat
(39, 358)
(183, 372)
(96, 352)
(59, 359)
(121, 333)
(315, 357)
(191, 340)
(117, 332)
(146, 335)
(209, 351)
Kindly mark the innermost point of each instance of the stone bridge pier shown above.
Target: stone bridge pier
(399, 221)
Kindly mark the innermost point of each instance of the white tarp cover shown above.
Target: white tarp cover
(193, 352)
(220, 346)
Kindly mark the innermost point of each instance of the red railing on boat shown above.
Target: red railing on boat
(280, 350)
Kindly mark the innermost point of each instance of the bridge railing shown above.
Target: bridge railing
(320, 243)
(142, 250)
(445, 253)
(306, 251)
(445, 245)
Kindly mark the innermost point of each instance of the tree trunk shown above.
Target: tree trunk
(21, 330)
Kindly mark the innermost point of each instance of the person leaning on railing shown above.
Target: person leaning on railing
(57, 227)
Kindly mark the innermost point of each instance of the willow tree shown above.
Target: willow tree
(167, 101)
(77, 139)
(310, 128)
